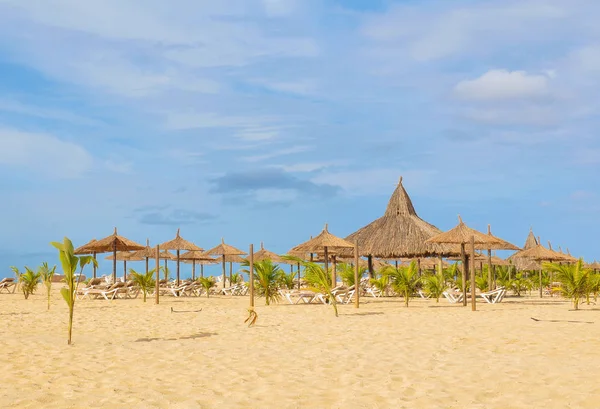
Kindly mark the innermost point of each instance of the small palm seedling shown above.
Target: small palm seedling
(236, 278)
(381, 283)
(287, 280)
(145, 281)
(207, 283)
(29, 281)
(346, 272)
(69, 262)
(481, 282)
(47, 274)
(266, 279)
(574, 280)
(404, 280)
(318, 279)
(17, 274)
(434, 286)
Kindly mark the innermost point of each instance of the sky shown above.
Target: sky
(262, 120)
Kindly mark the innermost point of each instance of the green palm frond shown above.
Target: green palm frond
(267, 277)
(434, 286)
(145, 281)
(29, 281)
(346, 272)
(207, 283)
(404, 280)
(573, 279)
(46, 275)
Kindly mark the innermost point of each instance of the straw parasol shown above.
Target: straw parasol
(540, 253)
(426, 263)
(225, 250)
(84, 250)
(195, 256)
(123, 256)
(462, 234)
(148, 252)
(399, 233)
(531, 241)
(324, 241)
(113, 243)
(178, 244)
(264, 254)
(502, 245)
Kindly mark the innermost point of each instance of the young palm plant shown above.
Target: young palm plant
(288, 280)
(267, 277)
(593, 286)
(69, 262)
(17, 274)
(574, 280)
(145, 281)
(381, 283)
(404, 280)
(47, 274)
(434, 286)
(481, 282)
(319, 280)
(346, 272)
(207, 283)
(29, 281)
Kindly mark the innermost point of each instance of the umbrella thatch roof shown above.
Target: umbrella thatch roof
(320, 242)
(531, 241)
(264, 254)
(426, 263)
(461, 234)
(400, 232)
(225, 250)
(84, 249)
(197, 255)
(527, 265)
(150, 252)
(179, 243)
(595, 265)
(114, 242)
(121, 256)
(540, 253)
(502, 244)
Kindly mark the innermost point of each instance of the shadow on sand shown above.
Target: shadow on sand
(194, 336)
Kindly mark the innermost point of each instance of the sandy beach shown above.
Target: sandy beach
(127, 354)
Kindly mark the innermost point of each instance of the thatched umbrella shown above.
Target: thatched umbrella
(195, 256)
(540, 253)
(462, 234)
(148, 252)
(225, 250)
(426, 263)
(531, 241)
(113, 243)
(84, 250)
(264, 254)
(568, 257)
(399, 233)
(123, 256)
(324, 241)
(502, 245)
(178, 244)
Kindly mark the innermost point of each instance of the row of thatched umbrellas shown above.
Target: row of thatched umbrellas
(399, 234)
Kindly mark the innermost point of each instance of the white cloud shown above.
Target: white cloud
(276, 153)
(503, 85)
(43, 154)
(17, 107)
(279, 8)
(519, 114)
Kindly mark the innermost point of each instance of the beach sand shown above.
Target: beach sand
(127, 354)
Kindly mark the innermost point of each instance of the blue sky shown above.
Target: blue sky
(264, 119)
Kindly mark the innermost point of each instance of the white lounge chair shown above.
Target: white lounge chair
(8, 284)
(453, 297)
(494, 296)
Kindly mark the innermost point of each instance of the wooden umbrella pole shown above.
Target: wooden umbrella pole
(224, 271)
(326, 254)
(95, 265)
(166, 267)
(251, 275)
(396, 261)
(298, 276)
(356, 278)
(147, 264)
(419, 266)
(473, 300)
(490, 275)
(114, 276)
(177, 267)
(541, 290)
(441, 267)
(334, 272)
(370, 266)
(157, 284)
(230, 274)
(202, 270)
(194, 270)
(463, 258)
(124, 271)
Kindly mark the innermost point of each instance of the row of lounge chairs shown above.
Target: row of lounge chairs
(491, 297)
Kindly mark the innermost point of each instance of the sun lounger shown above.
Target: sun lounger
(423, 295)
(494, 296)
(453, 297)
(8, 284)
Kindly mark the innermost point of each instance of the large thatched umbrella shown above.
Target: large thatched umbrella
(461, 235)
(195, 256)
(113, 243)
(531, 241)
(399, 233)
(178, 244)
(123, 256)
(540, 253)
(264, 254)
(225, 250)
(324, 241)
(84, 250)
(502, 245)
